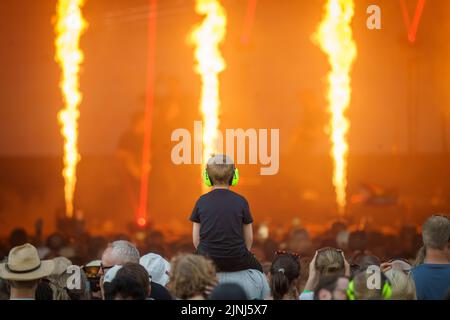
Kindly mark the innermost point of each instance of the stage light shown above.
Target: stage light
(142, 211)
(142, 222)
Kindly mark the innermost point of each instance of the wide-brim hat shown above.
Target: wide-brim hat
(61, 264)
(23, 264)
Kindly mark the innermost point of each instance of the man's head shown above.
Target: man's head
(220, 169)
(118, 253)
(23, 270)
(436, 233)
(131, 282)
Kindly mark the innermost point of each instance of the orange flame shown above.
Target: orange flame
(69, 27)
(335, 38)
(207, 37)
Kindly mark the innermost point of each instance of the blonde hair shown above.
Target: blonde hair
(402, 284)
(220, 169)
(190, 275)
(362, 290)
(329, 261)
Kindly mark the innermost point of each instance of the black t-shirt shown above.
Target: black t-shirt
(222, 214)
(158, 292)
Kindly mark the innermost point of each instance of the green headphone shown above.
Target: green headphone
(386, 292)
(233, 182)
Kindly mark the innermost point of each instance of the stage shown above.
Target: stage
(30, 188)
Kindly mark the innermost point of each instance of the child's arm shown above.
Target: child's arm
(248, 235)
(196, 234)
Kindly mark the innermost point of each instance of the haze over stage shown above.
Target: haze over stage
(399, 111)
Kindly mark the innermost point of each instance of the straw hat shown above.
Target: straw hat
(23, 264)
(61, 264)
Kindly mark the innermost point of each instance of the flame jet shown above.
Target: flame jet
(207, 38)
(69, 27)
(335, 38)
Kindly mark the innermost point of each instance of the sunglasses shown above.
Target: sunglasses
(105, 268)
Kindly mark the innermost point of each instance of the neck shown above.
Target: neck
(221, 186)
(23, 293)
(197, 297)
(436, 256)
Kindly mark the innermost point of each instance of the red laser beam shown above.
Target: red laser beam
(142, 216)
(413, 27)
(249, 20)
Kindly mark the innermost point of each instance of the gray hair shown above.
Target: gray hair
(436, 232)
(124, 251)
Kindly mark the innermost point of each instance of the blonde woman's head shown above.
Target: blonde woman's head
(360, 290)
(402, 284)
(191, 275)
(330, 261)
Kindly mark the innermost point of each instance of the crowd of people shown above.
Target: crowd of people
(338, 272)
(224, 260)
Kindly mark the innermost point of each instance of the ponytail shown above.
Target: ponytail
(279, 284)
